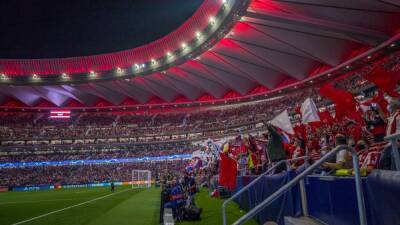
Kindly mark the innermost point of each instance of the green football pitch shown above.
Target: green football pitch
(98, 206)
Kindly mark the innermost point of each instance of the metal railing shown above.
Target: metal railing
(395, 152)
(237, 194)
(306, 172)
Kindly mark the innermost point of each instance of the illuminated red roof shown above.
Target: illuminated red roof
(273, 45)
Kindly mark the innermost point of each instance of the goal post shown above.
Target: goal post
(141, 179)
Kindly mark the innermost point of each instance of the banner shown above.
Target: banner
(33, 188)
(97, 161)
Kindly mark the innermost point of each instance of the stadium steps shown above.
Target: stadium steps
(168, 218)
(301, 221)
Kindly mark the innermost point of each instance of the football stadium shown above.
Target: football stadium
(200, 112)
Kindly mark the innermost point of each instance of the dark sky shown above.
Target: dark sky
(65, 28)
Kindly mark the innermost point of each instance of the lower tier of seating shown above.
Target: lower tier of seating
(330, 199)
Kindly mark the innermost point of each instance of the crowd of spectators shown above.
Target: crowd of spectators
(250, 152)
(87, 152)
(83, 174)
(25, 129)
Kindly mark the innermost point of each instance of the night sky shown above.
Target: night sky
(65, 28)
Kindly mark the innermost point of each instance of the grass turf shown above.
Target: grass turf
(211, 214)
(133, 207)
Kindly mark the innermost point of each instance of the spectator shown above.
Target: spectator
(343, 157)
(386, 160)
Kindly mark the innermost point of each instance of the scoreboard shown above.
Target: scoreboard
(60, 114)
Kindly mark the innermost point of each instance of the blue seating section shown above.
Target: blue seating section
(383, 197)
(330, 199)
(287, 205)
(333, 199)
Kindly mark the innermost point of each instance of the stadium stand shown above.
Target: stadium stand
(285, 112)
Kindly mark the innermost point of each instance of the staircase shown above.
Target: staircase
(301, 221)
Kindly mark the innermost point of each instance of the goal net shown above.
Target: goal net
(141, 179)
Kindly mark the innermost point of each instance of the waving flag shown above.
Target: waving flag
(346, 105)
(309, 111)
(384, 80)
(228, 172)
(282, 121)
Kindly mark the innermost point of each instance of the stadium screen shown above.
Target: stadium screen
(60, 114)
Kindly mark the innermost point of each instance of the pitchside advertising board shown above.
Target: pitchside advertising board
(68, 186)
(34, 188)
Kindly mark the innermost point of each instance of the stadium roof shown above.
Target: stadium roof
(226, 49)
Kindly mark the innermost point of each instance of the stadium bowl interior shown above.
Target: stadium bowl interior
(177, 105)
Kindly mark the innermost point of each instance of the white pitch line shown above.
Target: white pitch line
(48, 200)
(69, 207)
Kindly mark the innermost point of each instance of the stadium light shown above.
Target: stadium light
(198, 34)
(169, 54)
(64, 76)
(153, 61)
(212, 20)
(119, 70)
(184, 45)
(137, 66)
(3, 76)
(35, 76)
(92, 73)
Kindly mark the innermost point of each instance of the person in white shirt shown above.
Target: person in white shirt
(386, 161)
(343, 157)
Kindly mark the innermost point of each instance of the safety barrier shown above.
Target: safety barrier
(301, 176)
(395, 152)
(252, 183)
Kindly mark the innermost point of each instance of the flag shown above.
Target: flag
(326, 117)
(275, 148)
(345, 104)
(301, 131)
(251, 161)
(285, 138)
(384, 80)
(377, 99)
(282, 121)
(309, 111)
(228, 172)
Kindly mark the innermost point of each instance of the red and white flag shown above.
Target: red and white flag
(309, 111)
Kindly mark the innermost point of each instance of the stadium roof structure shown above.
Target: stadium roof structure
(228, 49)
